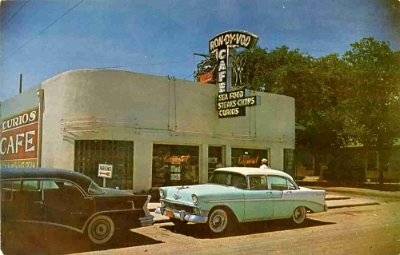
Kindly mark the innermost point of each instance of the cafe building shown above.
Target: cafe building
(138, 132)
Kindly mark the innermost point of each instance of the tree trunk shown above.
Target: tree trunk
(380, 169)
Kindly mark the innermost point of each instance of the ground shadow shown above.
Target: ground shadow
(200, 231)
(51, 240)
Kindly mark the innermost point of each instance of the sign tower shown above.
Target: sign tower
(231, 103)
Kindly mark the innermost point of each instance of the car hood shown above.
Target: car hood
(184, 193)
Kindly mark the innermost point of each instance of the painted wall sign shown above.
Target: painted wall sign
(19, 140)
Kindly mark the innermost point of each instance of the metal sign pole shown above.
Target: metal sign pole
(228, 68)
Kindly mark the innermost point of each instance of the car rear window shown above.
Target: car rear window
(281, 183)
(94, 189)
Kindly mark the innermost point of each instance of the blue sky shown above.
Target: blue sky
(41, 39)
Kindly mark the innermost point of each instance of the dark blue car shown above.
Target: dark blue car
(69, 200)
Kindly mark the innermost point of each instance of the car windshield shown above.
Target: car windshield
(229, 179)
(94, 189)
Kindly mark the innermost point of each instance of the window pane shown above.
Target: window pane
(278, 183)
(6, 190)
(220, 178)
(175, 165)
(238, 181)
(291, 185)
(94, 189)
(248, 157)
(214, 159)
(288, 161)
(47, 184)
(258, 182)
(32, 185)
(90, 153)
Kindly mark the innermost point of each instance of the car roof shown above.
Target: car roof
(28, 173)
(253, 171)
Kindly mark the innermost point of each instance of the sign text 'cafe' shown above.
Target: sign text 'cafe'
(19, 140)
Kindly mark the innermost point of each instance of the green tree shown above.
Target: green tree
(375, 95)
(316, 84)
(339, 101)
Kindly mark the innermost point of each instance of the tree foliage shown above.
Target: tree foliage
(375, 92)
(340, 101)
(318, 86)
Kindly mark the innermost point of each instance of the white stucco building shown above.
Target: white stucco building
(153, 130)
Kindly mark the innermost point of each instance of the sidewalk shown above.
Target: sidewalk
(338, 201)
(361, 191)
(336, 197)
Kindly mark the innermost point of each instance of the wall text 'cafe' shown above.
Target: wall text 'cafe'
(19, 136)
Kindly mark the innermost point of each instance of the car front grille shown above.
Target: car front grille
(178, 207)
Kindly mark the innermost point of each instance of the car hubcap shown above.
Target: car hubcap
(299, 215)
(218, 221)
(101, 229)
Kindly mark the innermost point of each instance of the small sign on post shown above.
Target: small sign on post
(105, 172)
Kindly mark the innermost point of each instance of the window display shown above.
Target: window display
(248, 157)
(175, 165)
(214, 159)
(288, 161)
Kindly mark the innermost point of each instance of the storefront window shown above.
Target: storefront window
(248, 157)
(288, 161)
(175, 165)
(90, 153)
(214, 159)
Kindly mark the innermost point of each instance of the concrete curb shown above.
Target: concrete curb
(351, 205)
(364, 192)
(336, 197)
(350, 202)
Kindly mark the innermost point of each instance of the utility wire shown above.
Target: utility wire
(188, 76)
(65, 13)
(46, 28)
(19, 9)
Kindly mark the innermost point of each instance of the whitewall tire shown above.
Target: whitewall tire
(299, 215)
(101, 229)
(219, 221)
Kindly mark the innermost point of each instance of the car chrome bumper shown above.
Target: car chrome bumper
(146, 221)
(181, 215)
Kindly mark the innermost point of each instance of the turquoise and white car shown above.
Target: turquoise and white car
(240, 194)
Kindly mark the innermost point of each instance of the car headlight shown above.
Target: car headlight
(195, 199)
(162, 193)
